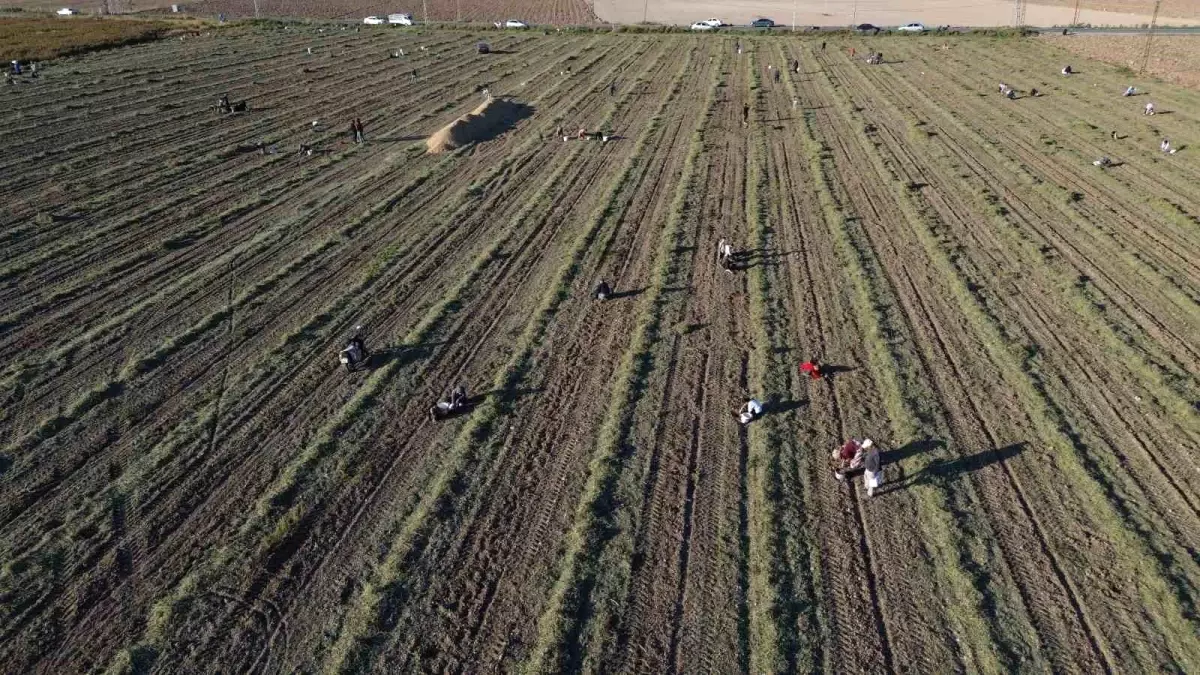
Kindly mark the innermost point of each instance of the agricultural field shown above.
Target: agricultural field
(189, 481)
(553, 12)
(1172, 57)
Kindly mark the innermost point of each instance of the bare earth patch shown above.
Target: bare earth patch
(1172, 58)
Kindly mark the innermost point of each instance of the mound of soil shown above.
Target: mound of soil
(492, 118)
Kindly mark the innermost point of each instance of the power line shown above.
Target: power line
(1150, 36)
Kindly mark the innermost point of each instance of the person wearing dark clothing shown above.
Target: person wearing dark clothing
(458, 397)
(358, 131)
(776, 75)
(745, 114)
(603, 290)
(612, 88)
(822, 46)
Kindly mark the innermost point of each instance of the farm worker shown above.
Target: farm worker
(749, 412)
(16, 67)
(1066, 70)
(359, 136)
(458, 397)
(1165, 146)
(1102, 162)
(796, 66)
(850, 456)
(612, 88)
(822, 46)
(603, 290)
(582, 134)
(872, 467)
(852, 52)
(1149, 109)
(1003, 87)
(795, 102)
(727, 252)
(812, 369)
(745, 114)
(413, 75)
(721, 249)
(1011, 94)
(1033, 92)
(1129, 91)
(776, 75)
(738, 46)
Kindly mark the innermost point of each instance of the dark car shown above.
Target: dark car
(866, 28)
(762, 23)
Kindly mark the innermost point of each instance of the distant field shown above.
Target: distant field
(43, 38)
(1173, 57)
(552, 12)
(191, 483)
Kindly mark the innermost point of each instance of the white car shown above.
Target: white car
(513, 23)
(67, 11)
(400, 19)
(715, 23)
(701, 25)
(912, 28)
(374, 21)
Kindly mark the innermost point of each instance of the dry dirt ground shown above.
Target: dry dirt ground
(896, 12)
(190, 482)
(1172, 57)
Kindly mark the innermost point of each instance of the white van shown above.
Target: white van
(400, 19)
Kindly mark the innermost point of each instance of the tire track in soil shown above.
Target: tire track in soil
(414, 208)
(937, 338)
(561, 206)
(1100, 388)
(588, 343)
(901, 516)
(423, 423)
(849, 607)
(320, 182)
(325, 179)
(671, 611)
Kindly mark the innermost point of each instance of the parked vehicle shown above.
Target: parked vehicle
(715, 23)
(866, 28)
(762, 23)
(912, 28)
(67, 11)
(400, 19)
(374, 21)
(515, 23)
(700, 25)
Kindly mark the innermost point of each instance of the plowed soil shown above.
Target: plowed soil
(189, 481)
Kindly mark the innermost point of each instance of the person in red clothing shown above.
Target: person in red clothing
(812, 368)
(850, 456)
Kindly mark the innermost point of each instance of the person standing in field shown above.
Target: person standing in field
(612, 88)
(812, 368)
(745, 114)
(872, 468)
(1165, 146)
(1149, 109)
(721, 250)
(822, 45)
(776, 76)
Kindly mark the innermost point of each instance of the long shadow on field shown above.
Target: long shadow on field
(631, 293)
(943, 471)
(405, 353)
(399, 139)
(505, 395)
(776, 406)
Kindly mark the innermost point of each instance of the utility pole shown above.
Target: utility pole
(1150, 36)
(458, 11)
(793, 16)
(645, 10)
(854, 14)
(256, 9)
(425, 10)
(1075, 19)
(1019, 13)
